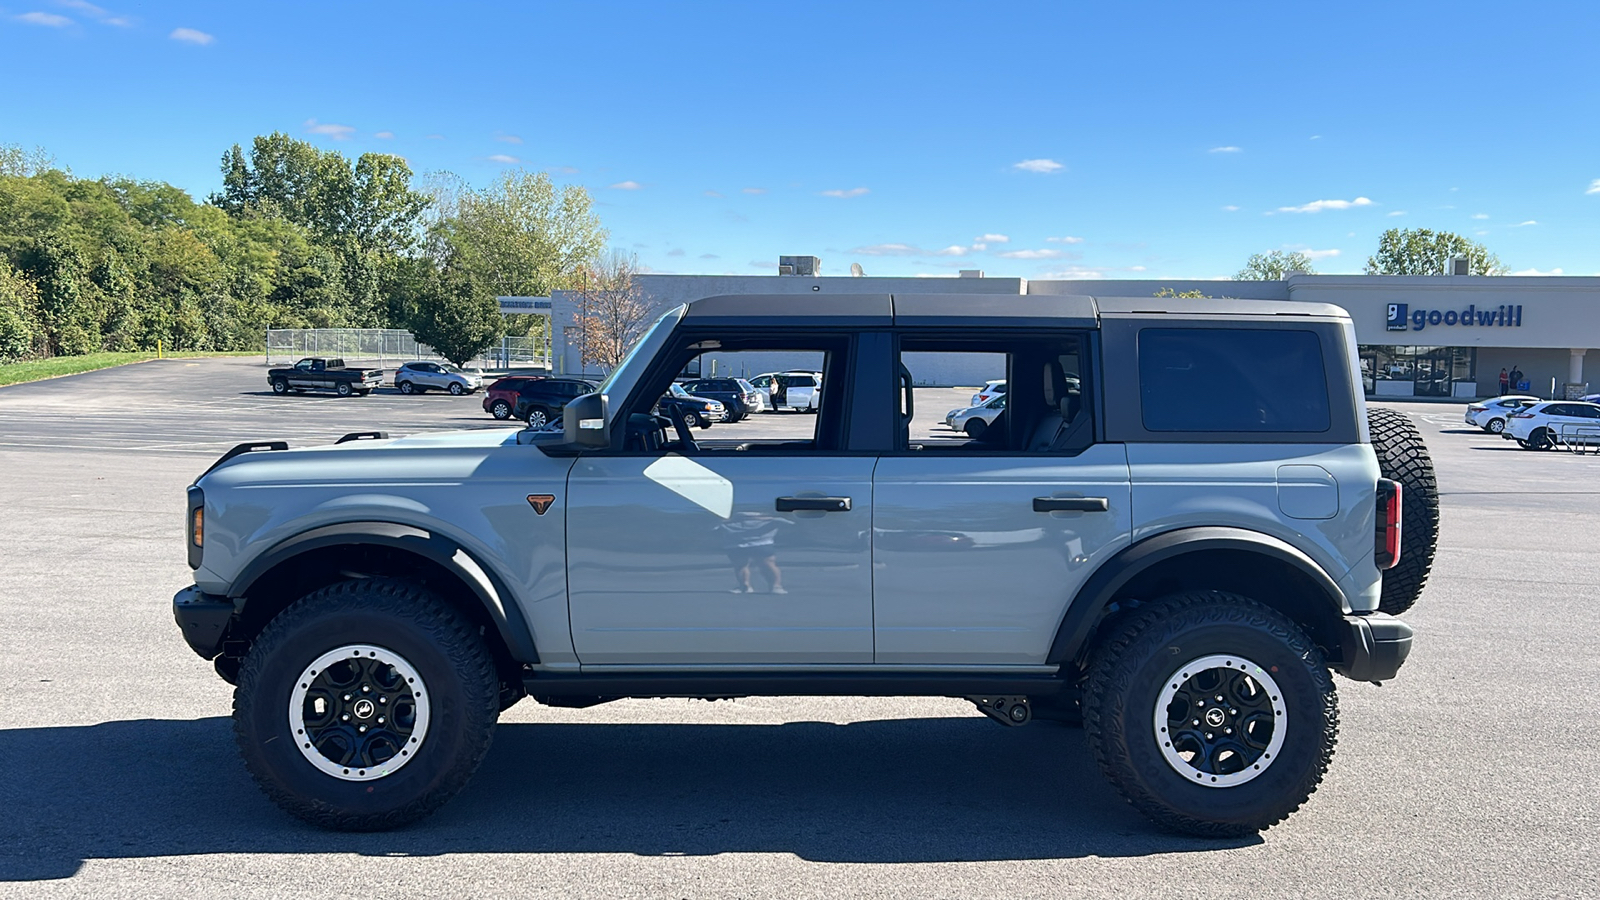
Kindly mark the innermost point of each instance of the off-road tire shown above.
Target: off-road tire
(1403, 457)
(1128, 672)
(447, 653)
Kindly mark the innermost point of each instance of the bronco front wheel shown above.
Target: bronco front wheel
(366, 705)
(1211, 713)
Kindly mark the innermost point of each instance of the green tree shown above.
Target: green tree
(521, 236)
(1275, 265)
(1421, 251)
(1193, 295)
(453, 314)
(17, 299)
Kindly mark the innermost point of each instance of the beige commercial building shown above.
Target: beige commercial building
(1419, 336)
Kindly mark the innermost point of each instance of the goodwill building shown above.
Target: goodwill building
(1419, 336)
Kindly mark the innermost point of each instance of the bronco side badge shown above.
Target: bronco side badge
(541, 502)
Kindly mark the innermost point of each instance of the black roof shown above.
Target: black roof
(952, 310)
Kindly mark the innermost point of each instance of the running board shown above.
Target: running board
(789, 684)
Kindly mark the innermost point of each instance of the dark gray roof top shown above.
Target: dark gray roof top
(951, 310)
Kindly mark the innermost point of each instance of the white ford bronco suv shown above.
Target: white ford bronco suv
(1177, 530)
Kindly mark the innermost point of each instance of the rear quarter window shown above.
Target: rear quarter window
(1232, 380)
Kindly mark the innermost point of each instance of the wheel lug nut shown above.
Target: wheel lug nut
(346, 696)
(346, 717)
(1209, 736)
(380, 721)
(383, 699)
(1219, 698)
(366, 689)
(362, 729)
(1224, 731)
(1195, 722)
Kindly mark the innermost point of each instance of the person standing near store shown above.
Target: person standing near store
(1505, 381)
(1516, 378)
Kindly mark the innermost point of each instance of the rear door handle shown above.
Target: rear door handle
(813, 504)
(1070, 504)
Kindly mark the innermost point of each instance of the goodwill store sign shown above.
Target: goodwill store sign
(1403, 318)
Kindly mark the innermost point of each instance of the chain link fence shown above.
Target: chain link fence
(393, 345)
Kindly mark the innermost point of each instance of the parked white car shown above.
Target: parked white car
(974, 419)
(1490, 415)
(1549, 422)
(991, 389)
(800, 391)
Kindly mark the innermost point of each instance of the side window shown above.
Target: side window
(1041, 409)
(812, 421)
(1232, 380)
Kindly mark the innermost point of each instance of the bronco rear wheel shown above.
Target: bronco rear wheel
(366, 705)
(1403, 457)
(1211, 713)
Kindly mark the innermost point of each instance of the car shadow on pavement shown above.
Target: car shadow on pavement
(886, 791)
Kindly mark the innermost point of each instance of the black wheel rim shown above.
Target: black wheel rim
(1220, 721)
(359, 712)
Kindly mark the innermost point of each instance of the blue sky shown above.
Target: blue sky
(1030, 139)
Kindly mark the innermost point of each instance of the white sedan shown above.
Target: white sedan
(1490, 415)
(1548, 423)
(974, 419)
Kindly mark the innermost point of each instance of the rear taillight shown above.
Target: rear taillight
(1522, 415)
(1388, 530)
(1476, 408)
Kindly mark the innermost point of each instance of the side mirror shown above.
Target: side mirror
(584, 420)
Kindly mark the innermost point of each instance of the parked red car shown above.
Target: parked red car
(501, 398)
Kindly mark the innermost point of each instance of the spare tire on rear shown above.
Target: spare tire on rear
(1402, 457)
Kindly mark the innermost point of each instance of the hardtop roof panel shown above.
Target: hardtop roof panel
(995, 310)
(856, 310)
(1214, 306)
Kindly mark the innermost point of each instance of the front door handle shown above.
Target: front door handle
(1070, 504)
(813, 504)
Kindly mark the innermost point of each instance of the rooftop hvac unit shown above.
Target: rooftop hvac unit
(1459, 266)
(807, 266)
(971, 273)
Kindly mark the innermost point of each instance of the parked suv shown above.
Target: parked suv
(540, 402)
(1185, 518)
(738, 396)
(500, 399)
(1544, 425)
(788, 390)
(419, 377)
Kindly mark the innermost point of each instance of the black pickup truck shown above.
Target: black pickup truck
(315, 373)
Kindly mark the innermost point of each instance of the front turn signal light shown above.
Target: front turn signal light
(197, 529)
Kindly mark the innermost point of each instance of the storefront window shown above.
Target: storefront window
(1392, 370)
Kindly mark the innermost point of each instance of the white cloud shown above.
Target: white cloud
(1226, 150)
(1480, 215)
(1316, 206)
(49, 20)
(713, 193)
(1033, 254)
(1319, 254)
(1316, 137)
(761, 190)
(992, 239)
(1555, 271)
(888, 250)
(328, 129)
(1398, 212)
(1594, 187)
(504, 159)
(626, 186)
(853, 192)
(385, 135)
(1230, 208)
(84, 6)
(191, 36)
(1480, 233)
(954, 250)
(1526, 224)
(1038, 166)
(1065, 239)
(508, 139)
(119, 21)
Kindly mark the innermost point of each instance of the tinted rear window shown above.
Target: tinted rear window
(1232, 380)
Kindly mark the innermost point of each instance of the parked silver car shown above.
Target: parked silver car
(417, 377)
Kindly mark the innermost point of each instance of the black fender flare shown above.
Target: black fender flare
(1102, 586)
(490, 590)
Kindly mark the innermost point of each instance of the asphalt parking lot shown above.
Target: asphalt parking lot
(1474, 774)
